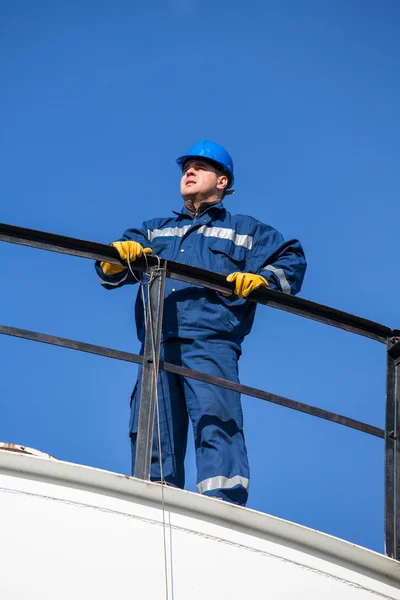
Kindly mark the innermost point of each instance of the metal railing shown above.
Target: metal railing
(159, 269)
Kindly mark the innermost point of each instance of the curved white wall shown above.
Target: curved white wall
(69, 531)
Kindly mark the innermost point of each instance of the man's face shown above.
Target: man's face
(199, 177)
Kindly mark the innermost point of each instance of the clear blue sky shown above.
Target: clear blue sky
(98, 98)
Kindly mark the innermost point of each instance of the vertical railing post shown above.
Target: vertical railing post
(392, 450)
(151, 356)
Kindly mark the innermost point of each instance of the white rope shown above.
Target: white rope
(156, 369)
(148, 311)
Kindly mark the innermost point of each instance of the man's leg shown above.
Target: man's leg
(216, 414)
(173, 422)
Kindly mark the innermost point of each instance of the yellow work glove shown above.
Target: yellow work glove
(130, 249)
(246, 283)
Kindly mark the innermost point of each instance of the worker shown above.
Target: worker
(203, 329)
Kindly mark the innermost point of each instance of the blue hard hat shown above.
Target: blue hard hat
(213, 153)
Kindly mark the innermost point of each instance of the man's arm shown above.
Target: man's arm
(281, 263)
(271, 262)
(124, 276)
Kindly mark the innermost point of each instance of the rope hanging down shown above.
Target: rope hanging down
(148, 311)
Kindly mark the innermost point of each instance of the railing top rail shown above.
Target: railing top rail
(216, 281)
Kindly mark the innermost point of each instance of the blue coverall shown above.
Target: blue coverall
(203, 330)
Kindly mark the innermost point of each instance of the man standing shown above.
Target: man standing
(203, 329)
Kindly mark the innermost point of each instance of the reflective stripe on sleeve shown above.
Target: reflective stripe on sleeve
(114, 283)
(283, 282)
(222, 483)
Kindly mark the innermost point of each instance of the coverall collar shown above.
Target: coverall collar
(184, 212)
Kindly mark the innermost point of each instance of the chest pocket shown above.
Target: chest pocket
(166, 247)
(226, 257)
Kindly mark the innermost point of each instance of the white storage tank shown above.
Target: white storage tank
(71, 532)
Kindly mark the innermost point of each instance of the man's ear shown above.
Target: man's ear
(222, 182)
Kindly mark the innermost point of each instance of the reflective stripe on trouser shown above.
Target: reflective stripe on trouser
(216, 415)
(223, 483)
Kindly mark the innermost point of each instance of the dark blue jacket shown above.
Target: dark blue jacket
(221, 242)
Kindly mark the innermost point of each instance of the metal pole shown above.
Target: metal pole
(392, 451)
(151, 357)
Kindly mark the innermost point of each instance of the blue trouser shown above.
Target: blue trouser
(216, 415)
